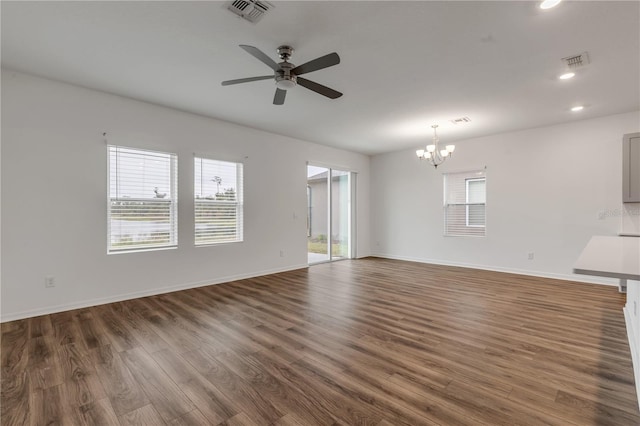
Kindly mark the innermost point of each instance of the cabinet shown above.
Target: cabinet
(631, 168)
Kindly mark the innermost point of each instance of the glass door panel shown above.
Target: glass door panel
(340, 215)
(318, 234)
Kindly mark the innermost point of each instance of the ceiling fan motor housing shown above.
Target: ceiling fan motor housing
(285, 79)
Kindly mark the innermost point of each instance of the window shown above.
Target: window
(142, 212)
(475, 199)
(465, 197)
(218, 201)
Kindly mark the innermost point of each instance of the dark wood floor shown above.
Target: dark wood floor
(370, 341)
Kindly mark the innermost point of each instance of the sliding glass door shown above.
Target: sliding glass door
(340, 215)
(329, 214)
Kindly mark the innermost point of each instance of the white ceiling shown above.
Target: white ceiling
(404, 65)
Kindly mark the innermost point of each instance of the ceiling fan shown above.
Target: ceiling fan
(286, 74)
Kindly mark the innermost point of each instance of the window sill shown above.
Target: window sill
(140, 250)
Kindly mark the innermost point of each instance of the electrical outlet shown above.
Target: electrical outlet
(49, 281)
(530, 255)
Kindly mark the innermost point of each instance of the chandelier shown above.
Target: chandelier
(433, 154)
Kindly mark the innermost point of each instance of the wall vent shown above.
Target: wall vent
(461, 120)
(251, 10)
(576, 61)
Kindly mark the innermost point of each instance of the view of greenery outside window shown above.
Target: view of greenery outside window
(218, 201)
(142, 212)
(465, 201)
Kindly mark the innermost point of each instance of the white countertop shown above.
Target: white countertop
(615, 257)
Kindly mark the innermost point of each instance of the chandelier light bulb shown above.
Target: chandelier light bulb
(431, 148)
(420, 153)
(451, 148)
(444, 152)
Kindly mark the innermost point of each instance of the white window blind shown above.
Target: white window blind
(475, 199)
(142, 199)
(218, 201)
(465, 200)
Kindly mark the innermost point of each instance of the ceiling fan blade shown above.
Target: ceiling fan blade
(246, 80)
(317, 64)
(319, 88)
(261, 56)
(278, 98)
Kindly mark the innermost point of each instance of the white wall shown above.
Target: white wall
(548, 191)
(54, 182)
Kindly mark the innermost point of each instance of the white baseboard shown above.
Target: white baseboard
(633, 346)
(137, 294)
(126, 296)
(566, 277)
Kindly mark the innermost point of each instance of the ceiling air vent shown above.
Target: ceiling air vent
(576, 61)
(251, 10)
(461, 120)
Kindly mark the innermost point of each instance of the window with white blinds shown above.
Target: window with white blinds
(142, 200)
(218, 201)
(465, 202)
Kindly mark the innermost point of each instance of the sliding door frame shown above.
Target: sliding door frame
(351, 211)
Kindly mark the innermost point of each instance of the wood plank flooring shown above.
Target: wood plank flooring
(370, 341)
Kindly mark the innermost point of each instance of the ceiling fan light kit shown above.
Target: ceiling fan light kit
(285, 83)
(286, 74)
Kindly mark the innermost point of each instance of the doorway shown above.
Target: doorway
(329, 214)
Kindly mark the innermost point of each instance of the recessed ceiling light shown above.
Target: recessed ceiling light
(577, 108)
(548, 4)
(567, 75)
